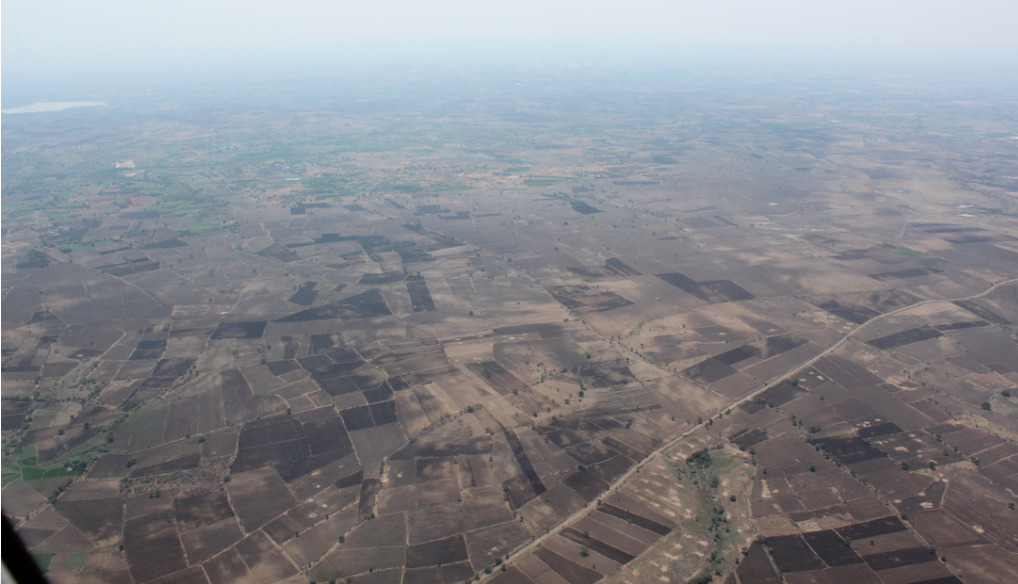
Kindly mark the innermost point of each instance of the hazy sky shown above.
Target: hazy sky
(35, 27)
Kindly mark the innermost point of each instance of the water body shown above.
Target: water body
(51, 106)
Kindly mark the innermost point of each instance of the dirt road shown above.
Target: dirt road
(567, 521)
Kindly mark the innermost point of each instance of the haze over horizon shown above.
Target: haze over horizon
(38, 31)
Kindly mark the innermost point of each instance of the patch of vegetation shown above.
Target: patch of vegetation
(702, 473)
(33, 473)
(1001, 403)
(452, 187)
(909, 252)
(202, 226)
(43, 561)
(76, 560)
(25, 466)
(9, 475)
(88, 246)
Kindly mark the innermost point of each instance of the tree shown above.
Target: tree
(987, 406)
(700, 458)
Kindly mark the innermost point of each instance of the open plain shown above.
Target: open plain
(557, 325)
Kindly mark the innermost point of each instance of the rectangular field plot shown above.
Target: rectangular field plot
(459, 572)
(344, 563)
(264, 559)
(849, 312)
(746, 438)
(792, 554)
(648, 524)
(296, 445)
(149, 350)
(831, 548)
(363, 305)
(586, 484)
(849, 450)
(611, 552)
(982, 312)
(240, 330)
(756, 567)
(226, 568)
(781, 393)
(259, 496)
(586, 299)
(709, 370)
(583, 208)
(888, 560)
(152, 548)
(496, 376)
(571, 571)
(420, 296)
(854, 574)
(443, 551)
(305, 295)
(544, 330)
(206, 542)
(961, 325)
(714, 291)
(621, 267)
(913, 335)
(872, 528)
(902, 274)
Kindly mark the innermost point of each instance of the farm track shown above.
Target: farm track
(566, 522)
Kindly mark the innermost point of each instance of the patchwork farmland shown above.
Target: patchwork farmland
(477, 337)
